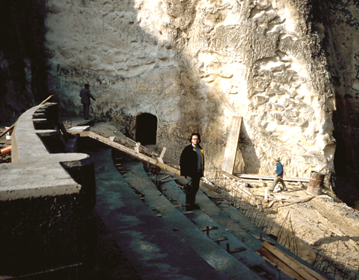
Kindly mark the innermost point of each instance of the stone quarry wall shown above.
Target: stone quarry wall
(338, 26)
(195, 64)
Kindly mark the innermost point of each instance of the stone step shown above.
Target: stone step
(226, 264)
(211, 215)
(153, 248)
(241, 225)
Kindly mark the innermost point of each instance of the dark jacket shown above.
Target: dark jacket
(85, 96)
(188, 161)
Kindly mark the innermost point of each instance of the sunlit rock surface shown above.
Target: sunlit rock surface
(195, 64)
(284, 66)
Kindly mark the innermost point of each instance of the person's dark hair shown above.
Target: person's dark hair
(195, 133)
(87, 85)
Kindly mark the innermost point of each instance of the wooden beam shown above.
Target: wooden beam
(128, 151)
(137, 148)
(265, 177)
(268, 256)
(160, 159)
(232, 144)
(47, 99)
(299, 201)
(299, 268)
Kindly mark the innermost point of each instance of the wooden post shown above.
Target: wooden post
(160, 159)
(137, 148)
(232, 145)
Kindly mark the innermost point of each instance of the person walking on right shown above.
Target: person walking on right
(279, 175)
(85, 100)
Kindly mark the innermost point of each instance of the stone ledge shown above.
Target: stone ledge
(34, 171)
(45, 200)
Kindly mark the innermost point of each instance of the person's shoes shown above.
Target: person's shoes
(189, 208)
(195, 206)
(270, 191)
(285, 189)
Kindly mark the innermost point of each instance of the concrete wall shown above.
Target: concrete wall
(44, 211)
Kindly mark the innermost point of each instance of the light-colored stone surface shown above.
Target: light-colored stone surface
(195, 64)
(34, 171)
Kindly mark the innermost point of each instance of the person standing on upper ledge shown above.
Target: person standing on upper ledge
(85, 100)
(279, 175)
(192, 168)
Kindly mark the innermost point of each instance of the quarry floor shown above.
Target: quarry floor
(322, 230)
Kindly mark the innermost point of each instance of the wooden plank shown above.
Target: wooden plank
(139, 156)
(47, 99)
(267, 177)
(160, 159)
(301, 269)
(294, 202)
(78, 129)
(232, 144)
(279, 263)
(128, 151)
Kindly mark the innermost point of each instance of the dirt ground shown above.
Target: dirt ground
(322, 230)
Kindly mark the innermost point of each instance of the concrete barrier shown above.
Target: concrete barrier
(45, 198)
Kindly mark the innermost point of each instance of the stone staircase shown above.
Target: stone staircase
(164, 241)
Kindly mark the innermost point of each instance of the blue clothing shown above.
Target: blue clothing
(279, 169)
(279, 177)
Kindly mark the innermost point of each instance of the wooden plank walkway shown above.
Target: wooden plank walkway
(267, 177)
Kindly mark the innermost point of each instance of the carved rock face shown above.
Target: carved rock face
(339, 32)
(194, 64)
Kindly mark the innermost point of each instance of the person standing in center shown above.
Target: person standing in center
(85, 100)
(192, 168)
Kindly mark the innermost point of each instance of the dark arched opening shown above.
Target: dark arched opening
(146, 129)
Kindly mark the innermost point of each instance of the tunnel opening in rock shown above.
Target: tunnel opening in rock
(146, 129)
